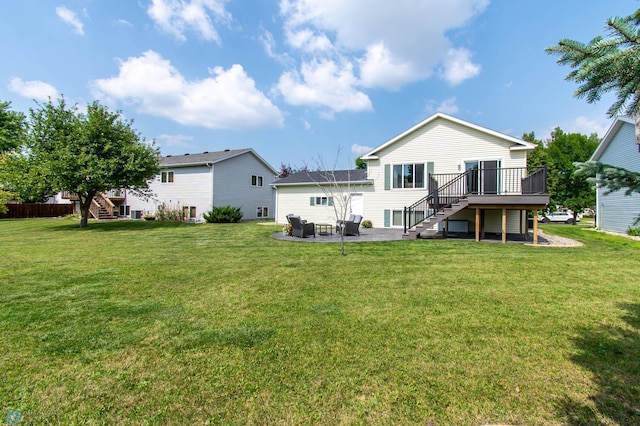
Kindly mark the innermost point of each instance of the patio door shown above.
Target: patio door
(482, 177)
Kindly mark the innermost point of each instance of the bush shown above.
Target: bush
(226, 214)
(287, 230)
(169, 213)
(634, 232)
(366, 224)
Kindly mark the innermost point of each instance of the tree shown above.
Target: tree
(12, 128)
(567, 188)
(608, 64)
(538, 157)
(338, 186)
(361, 164)
(88, 153)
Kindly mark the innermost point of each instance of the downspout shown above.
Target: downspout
(211, 173)
(275, 204)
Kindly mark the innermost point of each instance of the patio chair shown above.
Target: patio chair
(349, 227)
(301, 228)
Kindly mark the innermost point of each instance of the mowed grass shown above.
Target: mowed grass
(134, 322)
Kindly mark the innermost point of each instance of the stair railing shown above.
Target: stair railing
(94, 209)
(437, 200)
(448, 189)
(106, 203)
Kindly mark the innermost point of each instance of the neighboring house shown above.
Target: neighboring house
(616, 211)
(443, 173)
(195, 183)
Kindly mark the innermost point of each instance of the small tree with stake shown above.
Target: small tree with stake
(338, 187)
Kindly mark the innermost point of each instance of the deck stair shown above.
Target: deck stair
(102, 208)
(440, 215)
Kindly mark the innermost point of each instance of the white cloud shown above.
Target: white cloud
(324, 84)
(458, 66)
(181, 141)
(177, 16)
(447, 106)
(124, 22)
(306, 40)
(226, 99)
(587, 126)
(395, 43)
(33, 89)
(69, 17)
(379, 68)
(360, 149)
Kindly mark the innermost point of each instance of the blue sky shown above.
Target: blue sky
(302, 81)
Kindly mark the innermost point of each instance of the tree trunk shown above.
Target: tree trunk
(85, 205)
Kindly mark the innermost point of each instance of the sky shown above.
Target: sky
(303, 82)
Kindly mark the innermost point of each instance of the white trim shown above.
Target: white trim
(608, 137)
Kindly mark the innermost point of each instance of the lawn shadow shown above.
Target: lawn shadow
(610, 353)
(118, 225)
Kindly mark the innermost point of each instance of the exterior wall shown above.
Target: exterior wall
(191, 186)
(616, 212)
(227, 182)
(296, 200)
(232, 186)
(448, 145)
(493, 220)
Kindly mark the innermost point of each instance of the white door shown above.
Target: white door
(357, 204)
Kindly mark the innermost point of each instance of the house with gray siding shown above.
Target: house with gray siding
(616, 212)
(195, 183)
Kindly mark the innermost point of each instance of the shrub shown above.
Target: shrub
(225, 214)
(169, 213)
(287, 230)
(634, 232)
(366, 224)
(149, 217)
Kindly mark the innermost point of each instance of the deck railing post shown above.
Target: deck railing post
(404, 214)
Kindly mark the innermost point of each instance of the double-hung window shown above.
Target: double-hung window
(262, 212)
(256, 180)
(408, 175)
(166, 177)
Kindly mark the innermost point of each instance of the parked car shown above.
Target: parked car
(564, 217)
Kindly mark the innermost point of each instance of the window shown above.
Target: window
(397, 218)
(256, 180)
(321, 201)
(166, 177)
(262, 212)
(124, 210)
(189, 212)
(408, 175)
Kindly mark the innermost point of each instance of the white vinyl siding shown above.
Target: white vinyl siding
(296, 199)
(200, 187)
(445, 144)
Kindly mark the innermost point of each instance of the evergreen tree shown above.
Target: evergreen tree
(608, 64)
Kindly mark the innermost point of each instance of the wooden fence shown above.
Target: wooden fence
(36, 210)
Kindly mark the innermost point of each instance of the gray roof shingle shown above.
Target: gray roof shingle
(202, 158)
(319, 177)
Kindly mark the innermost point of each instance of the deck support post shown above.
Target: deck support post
(504, 226)
(477, 224)
(535, 227)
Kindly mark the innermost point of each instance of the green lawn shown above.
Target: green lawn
(135, 322)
